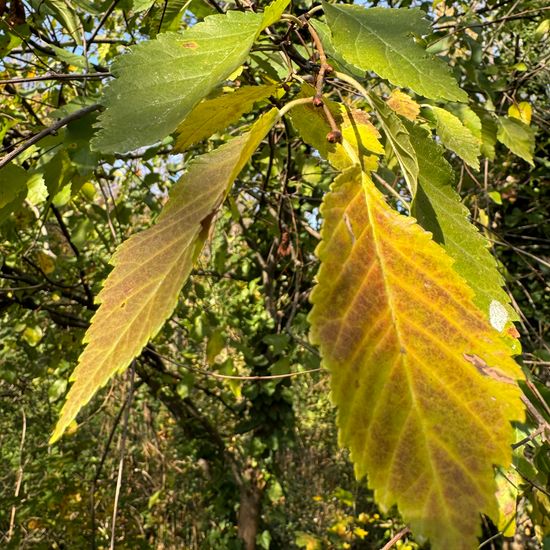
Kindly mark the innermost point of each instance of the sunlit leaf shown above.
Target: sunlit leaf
(151, 267)
(160, 81)
(273, 12)
(213, 115)
(358, 133)
(403, 104)
(424, 387)
(381, 40)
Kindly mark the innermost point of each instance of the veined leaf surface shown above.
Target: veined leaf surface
(151, 267)
(518, 137)
(457, 137)
(213, 115)
(406, 348)
(175, 72)
(380, 40)
(438, 208)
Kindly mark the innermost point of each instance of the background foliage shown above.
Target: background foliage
(200, 450)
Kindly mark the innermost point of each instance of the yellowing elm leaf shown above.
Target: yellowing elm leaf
(273, 12)
(399, 333)
(381, 40)
(151, 267)
(213, 115)
(522, 111)
(357, 130)
(403, 104)
(160, 81)
(457, 137)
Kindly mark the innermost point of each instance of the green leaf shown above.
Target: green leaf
(213, 115)
(438, 209)
(13, 189)
(425, 387)
(273, 12)
(518, 137)
(380, 40)
(160, 81)
(399, 141)
(69, 57)
(488, 132)
(65, 13)
(457, 137)
(151, 267)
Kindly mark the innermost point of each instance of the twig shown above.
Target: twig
(100, 468)
(19, 474)
(396, 538)
(76, 252)
(48, 131)
(56, 76)
(122, 450)
(227, 376)
(335, 135)
(106, 15)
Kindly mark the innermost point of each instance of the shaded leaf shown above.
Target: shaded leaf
(399, 141)
(213, 115)
(380, 40)
(175, 72)
(518, 137)
(398, 331)
(488, 132)
(438, 209)
(151, 267)
(13, 189)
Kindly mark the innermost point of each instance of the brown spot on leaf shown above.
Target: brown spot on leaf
(190, 45)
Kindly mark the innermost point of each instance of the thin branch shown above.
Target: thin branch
(106, 15)
(122, 451)
(48, 131)
(396, 538)
(56, 76)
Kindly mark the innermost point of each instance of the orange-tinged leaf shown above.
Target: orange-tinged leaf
(403, 104)
(399, 332)
(151, 267)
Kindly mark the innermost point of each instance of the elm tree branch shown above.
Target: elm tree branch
(56, 76)
(48, 131)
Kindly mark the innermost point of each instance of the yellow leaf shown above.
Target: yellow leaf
(358, 133)
(151, 267)
(425, 388)
(403, 105)
(46, 261)
(522, 111)
(213, 115)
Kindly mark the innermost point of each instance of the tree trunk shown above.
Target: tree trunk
(250, 508)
